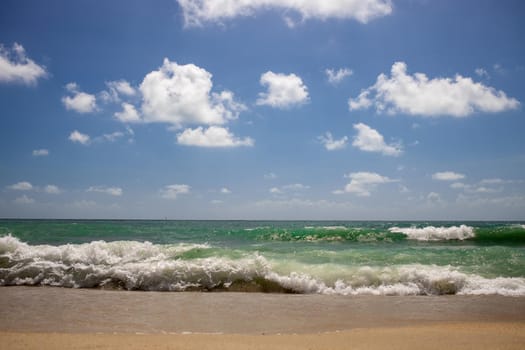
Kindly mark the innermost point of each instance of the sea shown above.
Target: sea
(305, 257)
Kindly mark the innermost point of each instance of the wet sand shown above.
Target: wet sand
(54, 318)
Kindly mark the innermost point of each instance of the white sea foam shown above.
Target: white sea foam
(147, 266)
(403, 280)
(432, 233)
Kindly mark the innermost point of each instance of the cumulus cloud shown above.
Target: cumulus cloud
(336, 76)
(330, 143)
(181, 94)
(52, 189)
(370, 140)
(128, 114)
(116, 89)
(77, 136)
(363, 183)
(173, 191)
(225, 190)
(420, 96)
(270, 176)
(112, 191)
(283, 90)
(79, 101)
(198, 12)
(447, 176)
(40, 152)
(214, 136)
(21, 186)
(15, 66)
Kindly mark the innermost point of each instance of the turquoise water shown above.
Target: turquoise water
(349, 258)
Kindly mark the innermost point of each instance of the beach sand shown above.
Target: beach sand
(60, 318)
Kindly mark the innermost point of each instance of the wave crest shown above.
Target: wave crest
(432, 233)
(145, 266)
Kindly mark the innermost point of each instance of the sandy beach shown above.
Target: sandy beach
(60, 318)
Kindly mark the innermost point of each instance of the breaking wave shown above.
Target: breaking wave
(133, 265)
(432, 233)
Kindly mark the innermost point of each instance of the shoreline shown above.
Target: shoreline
(64, 310)
(479, 336)
(60, 318)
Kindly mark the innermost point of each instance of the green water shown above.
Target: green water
(297, 256)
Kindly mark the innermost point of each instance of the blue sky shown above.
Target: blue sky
(263, 109)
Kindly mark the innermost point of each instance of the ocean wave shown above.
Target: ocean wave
(135, 265)
(432, 233)
(328, 228)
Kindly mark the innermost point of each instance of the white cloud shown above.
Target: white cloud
(198, 12)
(121, 87)
(330, 144)
(484, 189)
(418, 95)
(15, 66)
(363, 183)
(447, 176)
(433, 197)
(295, 187)
(112, 191)
(40, 152)
(181, 94)
(112, 137)
(482, 73)
(116, 89)
(77, 136)
(370, 140)
(403, 189)
(336, 76)
(494, 181)
(270, 176)
(24, 200)
(129, 114)
(214, 136)
(283, 90)
(275, 190)
(52, 189)
(79, 102)
(225, 190)
(21, 186)
(173, 191)
(484, 186)
(458, 185)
